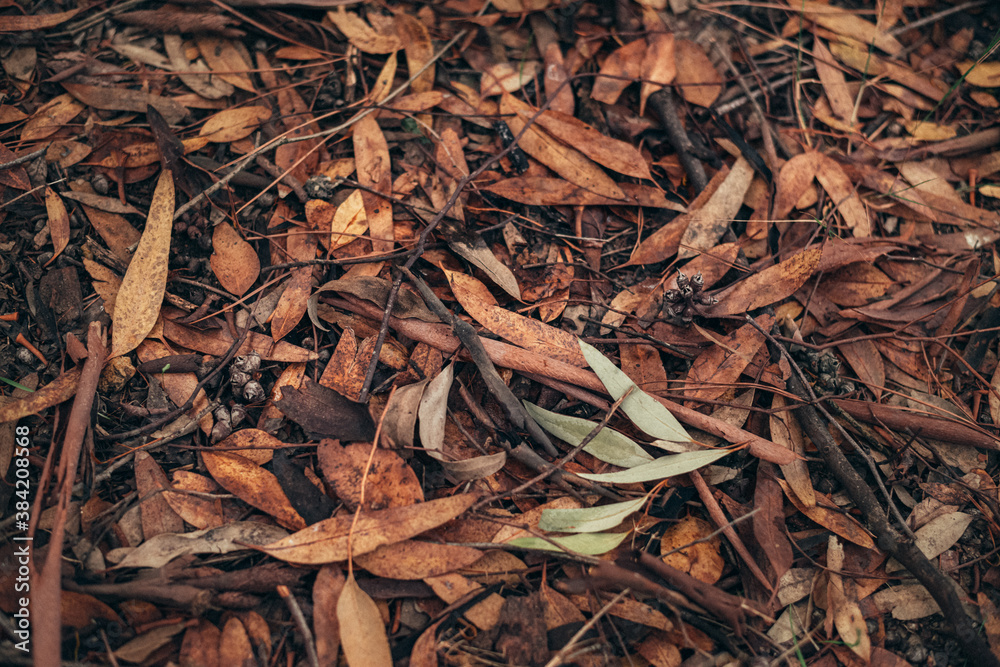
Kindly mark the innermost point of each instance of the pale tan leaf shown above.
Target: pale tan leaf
(145, 282)
(362, 632)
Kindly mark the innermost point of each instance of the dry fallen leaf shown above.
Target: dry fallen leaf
(145, 282)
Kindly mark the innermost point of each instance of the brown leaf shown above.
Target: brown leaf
(234, 124)
(707, 224)
(326, 591)
(827, 514)
(842, 604)
(58, 221)
(612, 153)
(371, 155)
(362, 35)
(326, 541)
(150, 482)
(29, 22)
(117, 98)
(54, 393)
(295, 298)
(419, 50)
(218, 343)
(390, 482)
(843, 22)
(842, 193)
(253, 485)
(234, 261)
(769, 522)
(561, 158)
(229, 59)
(51, 117)
(702, 559)
(234, 645)
(785, 431)
(716, 369)
(145, 282)
(253, 444)
(326, 413)
(415, 559)
(658, 66)
(518, 329)
(697, 79)
(619, 69)
(197, 510)
(770, 285)
(177, 385)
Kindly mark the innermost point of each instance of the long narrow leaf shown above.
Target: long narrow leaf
(588, 519)
(645, 411)
(591, 544)
(661, 468)
(608, 445)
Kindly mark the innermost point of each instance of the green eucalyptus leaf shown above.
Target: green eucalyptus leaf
(591, 544)
(610, 446)
(661, 468)
(645, 411)
(588, 519)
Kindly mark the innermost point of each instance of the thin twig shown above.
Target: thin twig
(559, 657)
(300, 623)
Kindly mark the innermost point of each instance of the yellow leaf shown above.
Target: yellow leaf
(362, 633)
(138, 302)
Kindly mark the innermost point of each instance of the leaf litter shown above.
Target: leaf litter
(657, 234)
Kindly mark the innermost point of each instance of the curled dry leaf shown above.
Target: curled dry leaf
(161, 549)
(138, 303)
(234, 261)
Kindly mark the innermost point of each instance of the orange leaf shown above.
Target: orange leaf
(716, 369)
(234, 261)
(518, 329)
(253, 485)
(770, 285)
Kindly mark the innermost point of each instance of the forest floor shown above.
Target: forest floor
(510, 332)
